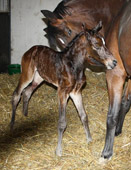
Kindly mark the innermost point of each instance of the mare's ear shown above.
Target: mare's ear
(48, 14)
(85, 29)
(98, 27)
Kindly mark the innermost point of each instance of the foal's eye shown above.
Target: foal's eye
(69, 32)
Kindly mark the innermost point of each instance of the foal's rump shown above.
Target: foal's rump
(125, 38)
(42, 59)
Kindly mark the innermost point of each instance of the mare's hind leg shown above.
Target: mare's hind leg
(77, 99)
(125, 106)
(29, 90)
(63, 97)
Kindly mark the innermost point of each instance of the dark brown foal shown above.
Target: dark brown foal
(66, 71)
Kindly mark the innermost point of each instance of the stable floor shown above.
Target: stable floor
(32, 144)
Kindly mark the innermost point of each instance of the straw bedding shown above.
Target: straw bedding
(33, 142)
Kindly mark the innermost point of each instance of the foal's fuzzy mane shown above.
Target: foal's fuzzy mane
(70, 44)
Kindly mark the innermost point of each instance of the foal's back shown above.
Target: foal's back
(45, 60)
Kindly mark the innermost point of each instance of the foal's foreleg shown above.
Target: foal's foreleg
(125, 106)
(63, 97)
(29, 90)
(77, 99)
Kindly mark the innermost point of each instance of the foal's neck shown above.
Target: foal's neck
(77, 51)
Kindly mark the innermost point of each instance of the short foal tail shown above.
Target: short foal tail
(26, 77)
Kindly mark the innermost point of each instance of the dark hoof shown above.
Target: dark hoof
(117, 133)
(26, 114)
(11, 126)
(103, 161)
(107, 155)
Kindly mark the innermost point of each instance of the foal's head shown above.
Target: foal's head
(97, 52)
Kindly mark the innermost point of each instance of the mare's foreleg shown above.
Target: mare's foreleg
(125, 106)
(29, 90)
(77, 99)
(63, 97)
(115, 88)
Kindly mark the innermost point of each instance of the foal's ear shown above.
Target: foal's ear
(48, 14)
(83, 26)
(87, 31)
(98, 27)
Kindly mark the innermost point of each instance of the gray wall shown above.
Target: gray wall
(27, 25)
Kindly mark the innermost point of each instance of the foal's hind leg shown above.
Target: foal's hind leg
(77, 99)
(23, 83)
(63, 97)
(125, 106)
(29, 90)
(25, 79)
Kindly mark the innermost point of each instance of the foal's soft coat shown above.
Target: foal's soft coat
(64, 70)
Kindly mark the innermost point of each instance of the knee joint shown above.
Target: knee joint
(83, 118)
(62, 125)
(111, 121)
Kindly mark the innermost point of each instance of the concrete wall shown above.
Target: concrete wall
(27, 25)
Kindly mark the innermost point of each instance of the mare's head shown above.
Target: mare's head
(59, 32)
(97, 52)
(64, 23)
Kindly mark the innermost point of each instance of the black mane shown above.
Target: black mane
(61, 9)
